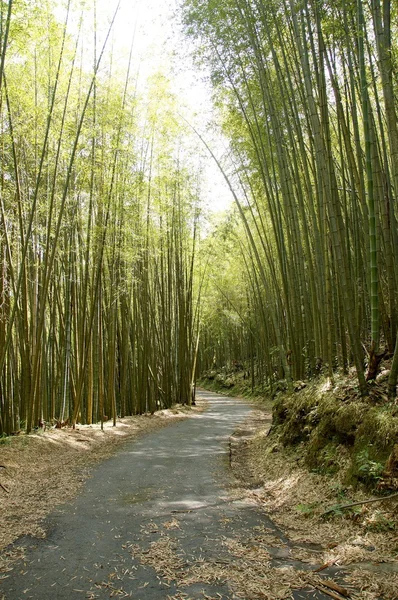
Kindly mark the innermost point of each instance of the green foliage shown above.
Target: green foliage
(337, 511)
(307, 510)
(368, 470)
(333, 512)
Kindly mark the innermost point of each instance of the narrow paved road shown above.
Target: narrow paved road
(154, 522)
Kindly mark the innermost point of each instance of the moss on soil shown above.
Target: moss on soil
(325, 424)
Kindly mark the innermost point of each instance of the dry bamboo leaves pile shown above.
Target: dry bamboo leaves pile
(248, 575)
(245, 566)
(46, 469)
(247, 570)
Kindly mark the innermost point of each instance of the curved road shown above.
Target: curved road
(148, 521)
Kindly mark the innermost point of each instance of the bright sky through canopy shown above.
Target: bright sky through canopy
(160, 46)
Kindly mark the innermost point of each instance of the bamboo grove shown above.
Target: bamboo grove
(308, 96)
(108, 303)
(99, 220)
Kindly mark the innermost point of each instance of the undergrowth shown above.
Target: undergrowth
(238, 383)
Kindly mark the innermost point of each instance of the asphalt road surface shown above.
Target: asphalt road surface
(150, 517)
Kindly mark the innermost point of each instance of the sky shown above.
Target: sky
(159, 44)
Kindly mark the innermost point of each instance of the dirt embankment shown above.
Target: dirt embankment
(326, 449)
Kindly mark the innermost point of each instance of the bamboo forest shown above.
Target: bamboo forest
(155, 243)
(107, 292)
